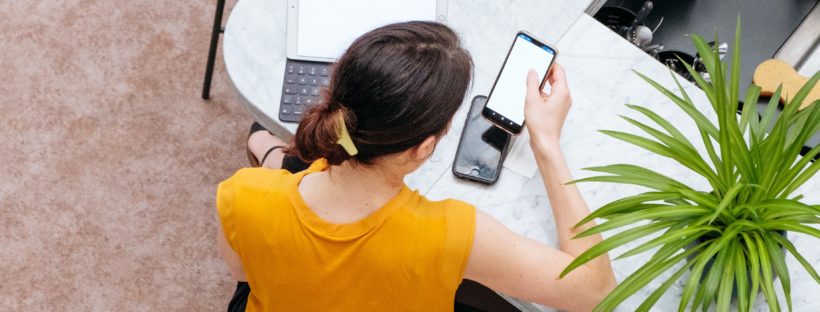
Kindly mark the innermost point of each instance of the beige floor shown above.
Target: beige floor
(109, 158)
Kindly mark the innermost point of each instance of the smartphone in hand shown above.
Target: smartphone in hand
(505, 104)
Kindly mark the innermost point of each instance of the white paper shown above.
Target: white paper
(328, 27)
(520, 158)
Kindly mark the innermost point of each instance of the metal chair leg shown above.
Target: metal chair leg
(215, 32)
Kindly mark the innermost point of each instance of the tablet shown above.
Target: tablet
(321, 30)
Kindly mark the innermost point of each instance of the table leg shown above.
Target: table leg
(215, 32)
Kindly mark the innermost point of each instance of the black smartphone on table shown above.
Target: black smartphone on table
(482, 147)
(505, 104)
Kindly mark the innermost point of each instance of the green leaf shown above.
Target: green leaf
(685, 154)
(625, 180)
(640, 278)
(709, 286)
(701, 198)
(802, 178)
(710, 149)
(639, 172)
(798, 167)
(625, 203)
(709, 61)
(650, 301)
(689, 234)
(776, 208)
(727, 200)
(801, 95)
(705, 86)
(640, 141)
(754, 266)
(779, 262)
(666, 125)
(768, 114)
(749, 113)
(702, 259)
(734, 81)
(727, 280)
(768, 280)
(613, 242)
(672, 246)
(790, 226)
(741, 278)
(790, 247)
(700, 120)
(658, 214)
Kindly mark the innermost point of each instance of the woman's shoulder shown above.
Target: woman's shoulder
(254, 181)
(243, 192)
(446, 207)
(259, 178)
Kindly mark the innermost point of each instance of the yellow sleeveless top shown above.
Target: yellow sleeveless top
(409, 255)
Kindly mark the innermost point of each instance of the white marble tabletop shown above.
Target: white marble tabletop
(599, 66)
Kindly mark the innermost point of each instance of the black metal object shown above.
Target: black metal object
(215, 32)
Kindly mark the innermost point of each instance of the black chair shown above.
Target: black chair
(215, 32)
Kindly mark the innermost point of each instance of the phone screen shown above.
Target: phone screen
(505, 106)
(482, 147)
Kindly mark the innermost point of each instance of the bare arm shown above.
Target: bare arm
(527, 269)
(230, 257)
(568, 207)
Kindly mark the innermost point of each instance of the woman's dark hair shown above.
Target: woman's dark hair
(395, 86)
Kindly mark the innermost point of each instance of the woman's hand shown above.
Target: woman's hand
(545, 113)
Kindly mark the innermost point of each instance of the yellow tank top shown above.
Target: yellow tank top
(409, 255)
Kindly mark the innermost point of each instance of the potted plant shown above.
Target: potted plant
(730, 238)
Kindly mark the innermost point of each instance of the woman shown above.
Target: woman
(347, 234)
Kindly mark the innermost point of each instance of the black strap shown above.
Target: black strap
(261, 162)
(240, 297)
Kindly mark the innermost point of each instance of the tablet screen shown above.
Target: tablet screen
(327, 27)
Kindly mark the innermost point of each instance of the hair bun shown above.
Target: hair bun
(318, 133)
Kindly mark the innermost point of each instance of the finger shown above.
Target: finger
(533, 86)
(558, 80)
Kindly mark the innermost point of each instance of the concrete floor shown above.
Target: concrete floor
(109, 159)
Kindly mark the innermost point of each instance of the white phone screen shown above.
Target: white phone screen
(509, 92)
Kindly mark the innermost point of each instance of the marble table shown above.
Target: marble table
(599, 66)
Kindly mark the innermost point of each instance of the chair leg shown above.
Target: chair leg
(215, 32)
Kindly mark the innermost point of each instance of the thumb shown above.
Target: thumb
(533, 86)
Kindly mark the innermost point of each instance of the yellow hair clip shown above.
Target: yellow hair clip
(344, 137)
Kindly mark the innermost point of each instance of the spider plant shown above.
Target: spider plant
(730, 237)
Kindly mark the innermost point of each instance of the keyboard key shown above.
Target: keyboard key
(324, 71)
(290, 90)
(314, 91)
(325, 82)
(301, 70)
(314, 81)
(310, 102)
(290, 80)
(287, 99)
(312, 71)
(303, 81)
(297, 110)
(291, 69)
(299, 100)
(304, 91)
(286, 109)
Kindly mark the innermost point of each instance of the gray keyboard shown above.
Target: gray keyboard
(301, 88)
